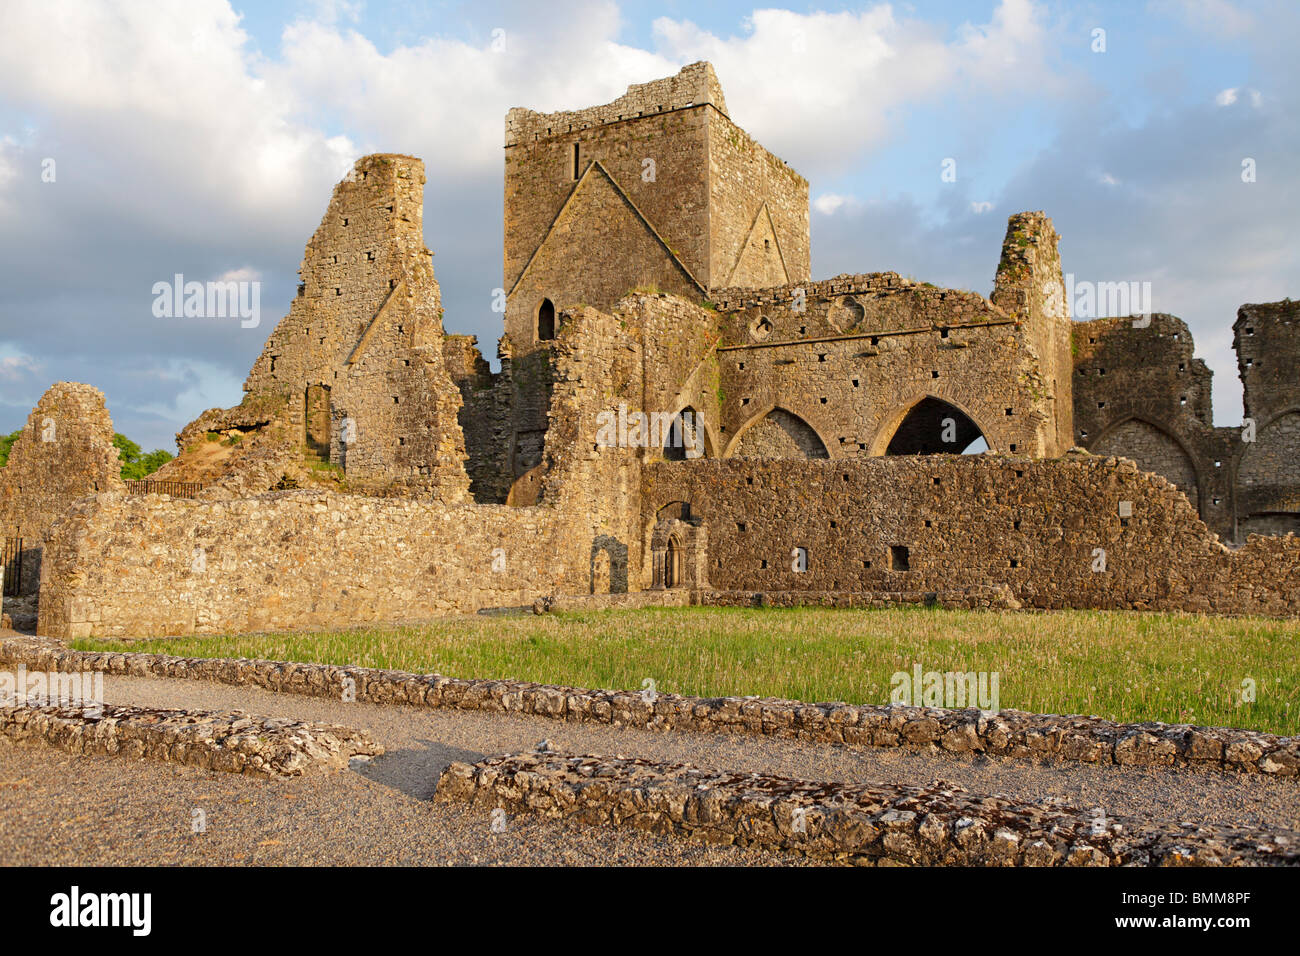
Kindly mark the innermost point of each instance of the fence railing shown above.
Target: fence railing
(177, 489)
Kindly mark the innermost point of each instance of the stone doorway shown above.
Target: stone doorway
(678, 552)
(316, 422)
(673, 563)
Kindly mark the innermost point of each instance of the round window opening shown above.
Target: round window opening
(760, 329)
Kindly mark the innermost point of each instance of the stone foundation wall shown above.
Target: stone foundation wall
(234, 741)
(937, 825)
(1007, 733)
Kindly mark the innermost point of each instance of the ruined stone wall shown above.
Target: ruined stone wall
(359, 356)
(64, 453)
(1140, 392)
(134, 566)
(1029, 286)
(681, 369)
(933, 523)
(598, 364)
(902, 825)
(854, 355)
(758, 222)
(1267, 340)
(485, 417)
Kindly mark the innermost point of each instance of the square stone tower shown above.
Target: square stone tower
(658, 189)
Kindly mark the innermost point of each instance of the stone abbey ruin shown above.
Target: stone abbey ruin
(779, 439)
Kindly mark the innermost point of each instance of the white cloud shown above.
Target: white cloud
(14, 368)
(827, 203)
(246, 274)
(1230, 96)
(820, 88)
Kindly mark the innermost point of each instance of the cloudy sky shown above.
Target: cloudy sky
(203, 138)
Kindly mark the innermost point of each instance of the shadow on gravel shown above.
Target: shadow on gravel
(414, 770)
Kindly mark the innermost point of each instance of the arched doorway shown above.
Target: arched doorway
(933, 427)
(546, 321)
(673, 564)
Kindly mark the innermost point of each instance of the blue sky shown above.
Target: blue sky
(204, 138)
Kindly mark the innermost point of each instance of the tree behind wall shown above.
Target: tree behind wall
(136, 464)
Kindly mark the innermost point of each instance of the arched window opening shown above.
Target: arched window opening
(546, 321)
(685, 437)
(935, 427)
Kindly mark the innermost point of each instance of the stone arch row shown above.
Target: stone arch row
(1262, 477)
(929, 425)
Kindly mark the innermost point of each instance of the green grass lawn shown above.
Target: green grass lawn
(1179, 668)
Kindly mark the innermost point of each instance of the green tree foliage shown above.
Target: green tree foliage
(136, 464)
(7, 442)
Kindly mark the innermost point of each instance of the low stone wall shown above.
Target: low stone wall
(1008, 733)
(933, 825)
(121, 565)
(969, 599)
(1074, 532)
(233, 741)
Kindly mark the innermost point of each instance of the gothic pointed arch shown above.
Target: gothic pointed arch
(928, 426)
(777, 433)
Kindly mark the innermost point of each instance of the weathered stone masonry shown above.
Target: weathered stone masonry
(1008, 733)
(680, 289)
(1140, 392)
(939, 523)
(936, 825)
(65, 452)
(235, 742)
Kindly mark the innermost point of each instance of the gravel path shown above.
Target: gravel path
(60, 809)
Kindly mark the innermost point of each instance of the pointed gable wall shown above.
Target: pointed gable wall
(602, 229)
(761, 264)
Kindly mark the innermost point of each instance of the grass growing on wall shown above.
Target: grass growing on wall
(1178, 668)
